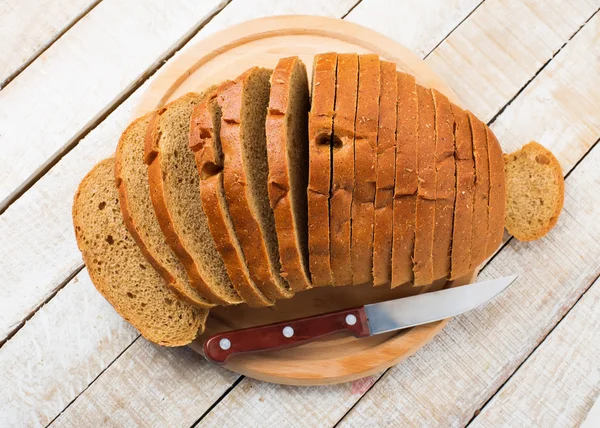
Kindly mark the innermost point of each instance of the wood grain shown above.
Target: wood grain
(558, 384)
(520, 47)
(28, 27)
(83, 75)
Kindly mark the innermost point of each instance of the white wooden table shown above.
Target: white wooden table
(71, 72)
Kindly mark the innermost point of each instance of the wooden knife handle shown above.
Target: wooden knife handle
(219, 347)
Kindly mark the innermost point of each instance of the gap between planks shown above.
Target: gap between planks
(47, 45)
(104, 113)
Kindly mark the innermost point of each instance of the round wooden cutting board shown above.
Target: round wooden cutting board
(262, 42)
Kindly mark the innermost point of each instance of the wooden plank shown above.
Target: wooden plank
(558, 384)
(465, 364)
(491, 57)
(419, 25)
(35, 386)
(68, 88)
(40, 225)
(27, 27)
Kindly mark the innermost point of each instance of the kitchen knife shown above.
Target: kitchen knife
(363, 321)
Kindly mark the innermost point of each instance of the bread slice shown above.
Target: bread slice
(119, 270)
(342, 171)
(535, 190)
(365, 167)
(245, 174)
(383, 220)
(497, 201)
(138, 214)
(320, 131)
(445, 169)
(406, 185)
(205, 142)
(175, 194)
(287, 148)
(426, 195)
(463, 206)
(482, 187)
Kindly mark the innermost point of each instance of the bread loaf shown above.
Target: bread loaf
(205, 142)
(119, 270)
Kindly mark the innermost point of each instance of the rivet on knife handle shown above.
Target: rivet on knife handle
(220, 347)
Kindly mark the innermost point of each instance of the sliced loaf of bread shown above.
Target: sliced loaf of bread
(245, 175)
(406, 186)
(426, 194)
(463, 206)
(383, 219)
(175, 194)
(365, 167)
(134, 195)
(535, 191)
(479, 231)
(320, 131)
(287, 148)
(445, 169)
(342, 174)
(119, 270)
(205, 142)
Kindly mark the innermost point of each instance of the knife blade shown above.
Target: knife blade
(363, 321)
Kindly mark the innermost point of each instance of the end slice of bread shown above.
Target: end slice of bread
(134, 195)
(287, 148)
(119, 270)
(205, 142)
(175, 194)
(535, 191)
(497, 200)
(320, 131)
(245, 174)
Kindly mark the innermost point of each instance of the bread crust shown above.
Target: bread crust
(292, 259)
(210, 167)
(173, 284)
(445, 168)
(426, 193)
(463, 206)
(236, 188)
(320, 131)
(497, 200)
(152, 157)
(342, 183)
(365, 167)
(481, 196)
(406, 183)
(383, 219)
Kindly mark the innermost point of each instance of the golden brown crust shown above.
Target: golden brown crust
(406, 183)
(386, 170)
(481, 196)
(320, 129)
(365, 167)
(152, 157)
(340, 207)
(463, 207)
(426, 194)
(497, 199)
(235, 184)
(202, 143)
(446, 186)
(170, 280)
(279, 179)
